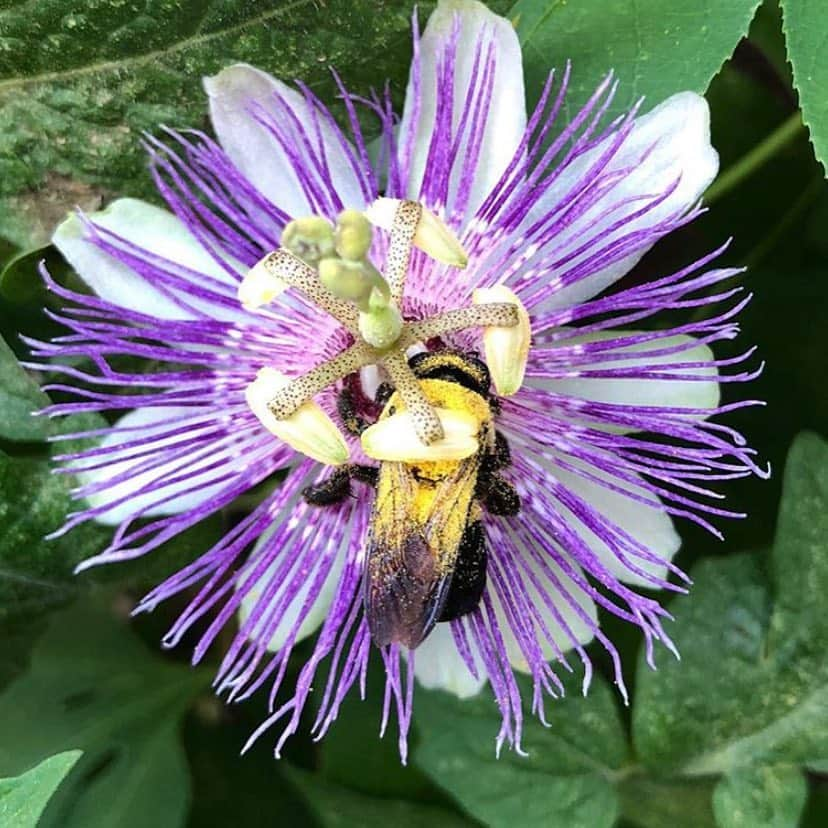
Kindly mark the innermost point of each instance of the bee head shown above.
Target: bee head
(465, 369)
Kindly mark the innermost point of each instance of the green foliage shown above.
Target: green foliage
(761, 698)
(750, 695)
(339, 807)
(805, 37)
(771, 797)
(655, 48)
(20, 396)
(23, 798)
(35, 572)
(574, 760)
(79, 83)
(93, 686)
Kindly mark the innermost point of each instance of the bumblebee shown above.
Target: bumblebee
(426, 547)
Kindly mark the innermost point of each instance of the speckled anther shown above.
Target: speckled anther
(497, 314)
(424, 418)
(288, 399)
(432, 235)
(406, 220)
(308, 429)
(291, 270)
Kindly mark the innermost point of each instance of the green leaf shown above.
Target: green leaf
(93, 685)
(339, 807)
(23, 798)
(655, 48)
(379, 771)
(34, 572)
(770, 797)
(752, 685)
(567, 779)
(20, 395)
(666, 803)
(806, 29)
(79, 84)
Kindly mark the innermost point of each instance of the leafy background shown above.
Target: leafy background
(736, 734)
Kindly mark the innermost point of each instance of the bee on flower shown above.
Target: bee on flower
(483, 439)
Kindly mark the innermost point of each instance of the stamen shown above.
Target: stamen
(293, 271)
(288, 399)
(406, 220)
(426, 422)
(499, 314)
(349, 288)
(394, 438)
(506, 347)
(432, 235)
(260, 286)
(308, 429)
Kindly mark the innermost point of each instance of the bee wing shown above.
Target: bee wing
(410, 562)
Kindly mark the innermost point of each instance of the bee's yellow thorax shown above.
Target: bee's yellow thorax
(442, 394)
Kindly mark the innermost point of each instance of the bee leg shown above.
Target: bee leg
(500, 497)
(347, 407)
(469, 578)
(337, 487)
(383, 394)
(333, 489)
(501, 457)
(365, 474)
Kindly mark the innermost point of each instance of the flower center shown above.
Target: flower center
(329, 264)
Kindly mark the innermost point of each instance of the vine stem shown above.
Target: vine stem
(749, 163)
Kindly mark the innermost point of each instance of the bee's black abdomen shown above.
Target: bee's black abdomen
(469, 579)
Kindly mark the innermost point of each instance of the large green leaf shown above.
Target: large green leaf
(23, 798)
(767, 797)
(567, 779)
(80, 81)
(656, 48)
(752, 686)
(93, 685)
(806, 31)
(20, 395)
(338, 807)
(35, 572)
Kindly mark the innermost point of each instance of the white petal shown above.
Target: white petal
(680, 129)
(156, 231)
(316, 613)
(234, 95)
(579, 630)
(438, 665)
(650, 525)
(507, 108)
(141, 424)
(642, 391)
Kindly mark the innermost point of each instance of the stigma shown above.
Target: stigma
(329, 264)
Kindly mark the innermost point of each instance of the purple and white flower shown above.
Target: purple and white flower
(614, 430)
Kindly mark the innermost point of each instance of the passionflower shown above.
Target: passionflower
(481, 441)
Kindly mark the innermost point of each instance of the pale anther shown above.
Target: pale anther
(506, 347)
(308, 430)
